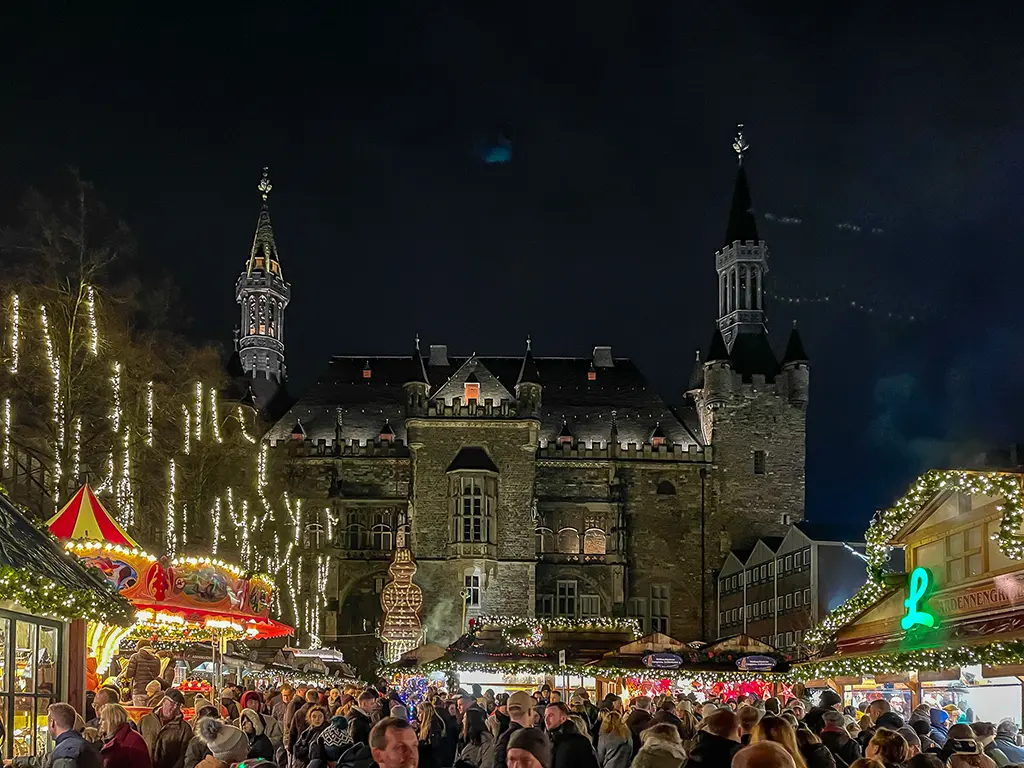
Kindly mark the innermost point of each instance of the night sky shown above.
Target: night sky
(376, 120)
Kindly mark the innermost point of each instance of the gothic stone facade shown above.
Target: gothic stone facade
(573, 490)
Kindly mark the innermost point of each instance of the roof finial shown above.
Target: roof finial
(265, 186)
(417, 342)
(739, 144)
(528, 342)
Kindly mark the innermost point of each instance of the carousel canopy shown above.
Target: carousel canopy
(83, 517)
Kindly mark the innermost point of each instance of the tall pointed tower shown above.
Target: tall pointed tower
(742, 262)
(263, 295)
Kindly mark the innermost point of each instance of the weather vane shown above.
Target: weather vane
(740, 145)
(265, 186)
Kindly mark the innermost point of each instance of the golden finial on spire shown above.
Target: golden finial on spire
(265, 186)
(739, 144)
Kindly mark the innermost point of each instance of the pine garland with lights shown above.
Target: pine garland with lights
(888, 524)
(908, 661)
(45, 597)
(558, 624)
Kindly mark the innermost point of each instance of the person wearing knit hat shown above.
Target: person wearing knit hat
(253, 726)
(201, 701)
(227, 744)
(529, 748)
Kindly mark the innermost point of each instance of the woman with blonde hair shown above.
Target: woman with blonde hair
(888, 748)
(431, 734)
(771, 728)
(614, 742)
(122, 746)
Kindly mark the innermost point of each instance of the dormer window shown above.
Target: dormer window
(298, 433)
(472, 392)
(387, 434)
(367, 372)
(658, 436)
(592, 373)
(565, 436)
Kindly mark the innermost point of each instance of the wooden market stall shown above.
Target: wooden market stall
(949, 627)
(46, 597)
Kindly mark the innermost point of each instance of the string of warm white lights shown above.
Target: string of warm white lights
(184, 524)
(241, 426)
(199, 411)
(76, 447)
(58, 408)
(94, 336)
(217, 511)
(214, 415)
(7, 434)
(150, 407)
(188, 429)
(171, 543)
(115, 394)
(15, 342)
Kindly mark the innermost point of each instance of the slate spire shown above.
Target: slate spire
(418, 373)
(795, 352)
(263, 255)
(528, 373)
(742, 223)
(718, 352)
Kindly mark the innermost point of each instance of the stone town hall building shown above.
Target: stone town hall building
(534, 485)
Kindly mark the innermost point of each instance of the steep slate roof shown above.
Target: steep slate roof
(795, 352)
(844, 533)
(752, 354)
(472, 457)
(567, 394)
(742, 224)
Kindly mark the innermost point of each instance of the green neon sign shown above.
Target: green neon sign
(920, 583)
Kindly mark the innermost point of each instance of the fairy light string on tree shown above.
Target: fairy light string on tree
(15, 341)
(150, 408)
(58, 408)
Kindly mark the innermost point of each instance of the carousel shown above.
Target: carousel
(180, 600)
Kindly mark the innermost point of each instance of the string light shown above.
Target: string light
(94, 337)
(199, 411)
(150, 407)
(214, 414)
(188, 429)
(217, 510)
(171, 540)
(76, 445)
(115, 388)
(15, 333)
(6, 434)
(58, 410)
(886, 525)
(241, 425)
(184, 524)
(45, 597)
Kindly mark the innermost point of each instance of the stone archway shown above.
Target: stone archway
(359, 620)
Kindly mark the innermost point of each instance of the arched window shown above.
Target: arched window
(381, 535)
(594, 542)
(475, 498)
(252, 315)
(665, 488)
(263, 315)
(545, 540)
(271, 317)
(355, 536)
(569, 541)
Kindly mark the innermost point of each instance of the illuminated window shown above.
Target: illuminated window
(472, 392)
(367, 373)
(472, 586)
(594, 542)
(474, 497)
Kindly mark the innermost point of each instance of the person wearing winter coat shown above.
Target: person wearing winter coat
(271, 726)
(939, 732)
(477, 742)
(359, 723)
(197, 750)
(1006, 742)
(660, 747)
(570, 748)
(837, 739)
(639, 719)
(331, 744)
(143, 668)
(227, 744)
(614, 742)
(815, 754)
(717, 741)
(122, 745)
(251, 724)
(316, 723)
(70, 749)
(165, 731)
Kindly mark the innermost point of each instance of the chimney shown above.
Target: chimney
(603, 357)
(438, 355)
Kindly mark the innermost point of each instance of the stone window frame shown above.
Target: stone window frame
(354, 527)
(665, 488)
(591, 601)
(459, 480)
(588, 537)
(545, 606)
(637, 609)
(542, 534)
(472, 582)
(382, 533)
(661, 607)
(564, 600)
(568, 533)
(760, 462)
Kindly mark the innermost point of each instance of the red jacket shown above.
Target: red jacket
(126, 750)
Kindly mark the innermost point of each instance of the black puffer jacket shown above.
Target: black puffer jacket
(712, 751)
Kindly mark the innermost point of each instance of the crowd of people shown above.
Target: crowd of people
(302, 727)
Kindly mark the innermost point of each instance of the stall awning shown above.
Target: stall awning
(83, 517)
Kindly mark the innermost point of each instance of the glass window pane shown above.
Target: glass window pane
(46, 661)
(43, 742)
(974, 567)
(974, 538)
(25, 648)
(24, 726)
(956, 571)
(955, 544)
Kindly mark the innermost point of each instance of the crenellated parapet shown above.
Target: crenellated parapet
(626, 452)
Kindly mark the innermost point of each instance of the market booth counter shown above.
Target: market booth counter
(46, 597)
(951, 629)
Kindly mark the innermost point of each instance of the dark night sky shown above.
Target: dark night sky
(602, 229)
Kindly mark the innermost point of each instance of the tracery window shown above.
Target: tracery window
(475, 497)
(594, 542)
(545, 540)
(355, 532)
(381, 535)
(569, 541)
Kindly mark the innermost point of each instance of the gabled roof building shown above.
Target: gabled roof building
(539, 484)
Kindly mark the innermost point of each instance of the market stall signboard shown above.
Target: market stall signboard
(918, 590)
(756, 663)
(663, 661)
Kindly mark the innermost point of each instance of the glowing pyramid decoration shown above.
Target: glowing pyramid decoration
(83, 517)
